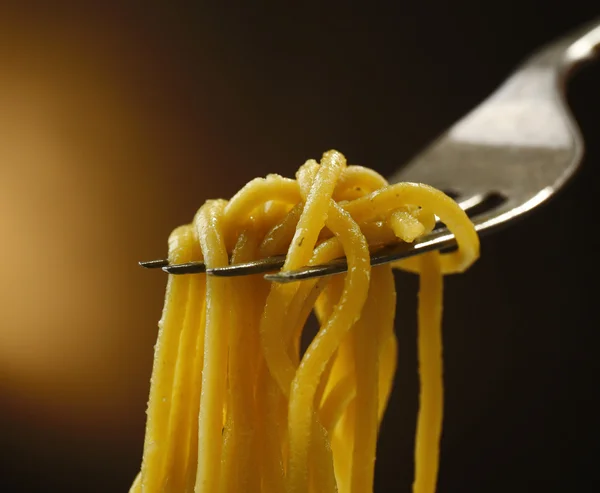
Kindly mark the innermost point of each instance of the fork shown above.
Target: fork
(506, 157)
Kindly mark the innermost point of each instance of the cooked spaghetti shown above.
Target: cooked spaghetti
(234, 405)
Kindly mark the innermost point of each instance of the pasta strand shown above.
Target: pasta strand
(236, 403)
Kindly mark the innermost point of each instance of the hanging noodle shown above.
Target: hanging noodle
(234, 406)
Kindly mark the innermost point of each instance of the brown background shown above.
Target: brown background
(117, 122)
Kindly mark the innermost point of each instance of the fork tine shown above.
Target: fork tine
(187, 268)
(276, 262)
(453, 154)
(436, 241)
(337, 266)
(260, 266)
(154, 264)
(471, 201)
(439, 240)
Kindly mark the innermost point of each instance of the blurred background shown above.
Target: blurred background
(117, 122)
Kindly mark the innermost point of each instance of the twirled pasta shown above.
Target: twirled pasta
(234, 406)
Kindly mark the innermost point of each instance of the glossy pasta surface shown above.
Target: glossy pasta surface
(234, 405)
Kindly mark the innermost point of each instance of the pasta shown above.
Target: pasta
(234, 406)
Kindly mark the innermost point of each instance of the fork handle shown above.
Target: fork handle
(553, 64)
(580, 46)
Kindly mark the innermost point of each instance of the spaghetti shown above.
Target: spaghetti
(234, 406)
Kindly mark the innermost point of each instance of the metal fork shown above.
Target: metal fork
(509, 155)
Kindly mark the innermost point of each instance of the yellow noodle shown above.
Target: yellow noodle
(336, 402)
(279, 237)
(194, 409)
(136, 487)
(320, 467)
(153, 472)
(312, 220)
(257, 193)
(271, 460)
(234, 404)
(406, 226)
(356, 182)
(390, 198)
(182, 422)
(210, 420)
(387, 371)
(315, 212)
(342, 444)
(345, 388)
(238, 463)
(325, 343)
(366, 348)
(429, 424)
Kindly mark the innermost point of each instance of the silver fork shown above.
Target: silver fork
(509, 155)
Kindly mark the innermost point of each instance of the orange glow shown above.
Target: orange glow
(109, 137)
(78, 318)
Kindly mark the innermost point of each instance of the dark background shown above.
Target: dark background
(117, 122)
